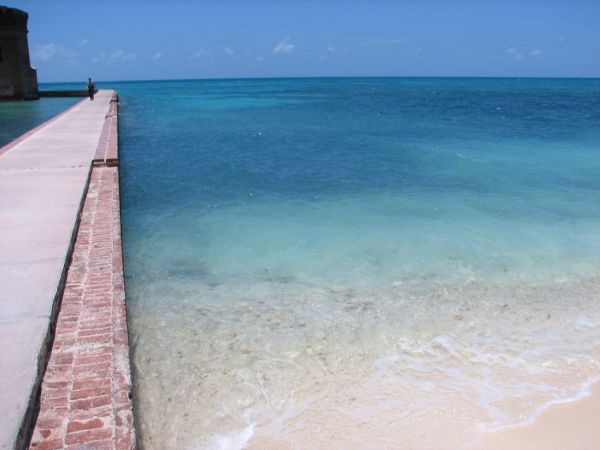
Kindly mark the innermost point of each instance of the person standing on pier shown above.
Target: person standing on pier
(91, 87)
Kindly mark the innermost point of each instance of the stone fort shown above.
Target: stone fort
(17, 79)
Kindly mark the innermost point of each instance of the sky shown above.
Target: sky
(179, 39)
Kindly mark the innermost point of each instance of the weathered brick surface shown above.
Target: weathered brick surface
(107, 152)
(85, 399)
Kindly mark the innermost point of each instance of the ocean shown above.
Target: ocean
(358, 262)
(18, 117)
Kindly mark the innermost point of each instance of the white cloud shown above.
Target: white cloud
(331, 49)
(121, 55)
(114, 57)
(535, 52)
(50, 52)
(418, 50)
(83, 42)
(200, 54)
(45, 52)
(228, 51)
(515, 55)
(284, 47)
(157, 56)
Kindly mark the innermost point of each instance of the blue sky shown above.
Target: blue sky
(133, 40)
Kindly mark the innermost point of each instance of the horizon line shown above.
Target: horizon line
(335, 77)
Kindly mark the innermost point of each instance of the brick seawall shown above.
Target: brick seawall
(86, 390)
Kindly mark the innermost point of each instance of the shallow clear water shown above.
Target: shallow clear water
(336, 263)
(16, 118)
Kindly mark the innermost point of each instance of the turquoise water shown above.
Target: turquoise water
(16, 118)
(334, 263)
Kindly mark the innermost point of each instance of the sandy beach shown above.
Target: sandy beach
(300, 225)
(574, 426)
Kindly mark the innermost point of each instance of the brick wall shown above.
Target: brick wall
(86, 391)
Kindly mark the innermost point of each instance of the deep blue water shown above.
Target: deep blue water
(16, 118)
(387, 156)
(301, 138)
(339, 252)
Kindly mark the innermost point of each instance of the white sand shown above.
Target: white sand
(572, 426)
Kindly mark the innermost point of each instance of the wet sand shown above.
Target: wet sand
(574, 426)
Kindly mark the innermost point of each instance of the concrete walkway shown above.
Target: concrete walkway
(42, 184)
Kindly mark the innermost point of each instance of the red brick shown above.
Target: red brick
(92, 312)
(63, 342)
(125, 437)
(55, 393)
(92, 402)
(56, 384)
(54, 411)
(105, 444)
(106, 337)
(52, 444)
(59, 372)
(92, 359)
(79, 425)
(122, 397)
(56, 402)
(62, 358)
(49, 422)
(90, 383)
(86, 436)
(95, 392)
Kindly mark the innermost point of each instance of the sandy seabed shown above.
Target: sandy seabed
(280, 364)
